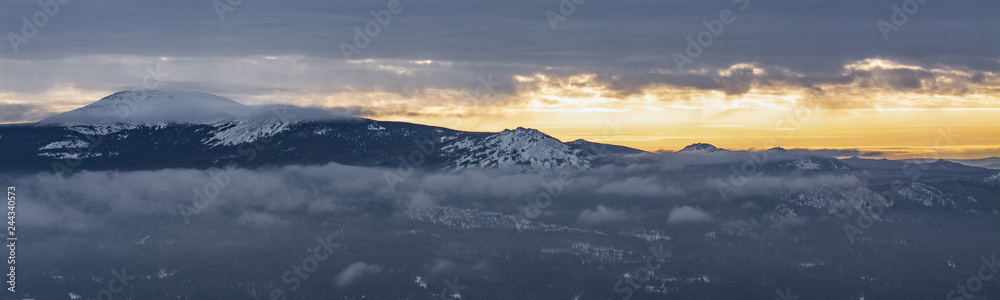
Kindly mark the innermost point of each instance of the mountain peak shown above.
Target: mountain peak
(700, 147)
(524, 148)
(522, 130)
(153, 106)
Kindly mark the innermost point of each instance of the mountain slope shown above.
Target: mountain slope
(144, 107)
(155, 129)
(525, 148)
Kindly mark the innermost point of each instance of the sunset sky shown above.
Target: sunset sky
(895, 78)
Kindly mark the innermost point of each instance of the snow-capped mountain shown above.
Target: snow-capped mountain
(151, 129)
(156, 129)
(527, 148)
(151, 107)
(701, 147)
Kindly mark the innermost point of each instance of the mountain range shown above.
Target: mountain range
(411, 209)
(136, 130)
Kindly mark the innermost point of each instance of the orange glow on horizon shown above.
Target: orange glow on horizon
(869, 114)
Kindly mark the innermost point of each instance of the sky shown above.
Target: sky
(902, 78)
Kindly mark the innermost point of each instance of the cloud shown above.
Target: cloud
(687, 214)
(260, 219)
(53, 216)
(423, 63)
(791, 221)
(355, 271)
(669, 160)
(442, 265)
(773, 185)
(420, 200)
(22, 113)
(259, 196)
(738, 81)
(601, 214)
(638, 186)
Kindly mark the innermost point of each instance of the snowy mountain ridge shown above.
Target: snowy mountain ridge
(521, 147)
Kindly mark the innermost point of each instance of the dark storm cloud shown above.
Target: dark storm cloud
(737, 82)
(618, 38)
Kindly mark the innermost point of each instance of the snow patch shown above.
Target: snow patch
(103, 129)
(994, 180)
(235, 132)
(805, 164)
(71, 144)
(924, 194)
(70, 155)
(520, 148)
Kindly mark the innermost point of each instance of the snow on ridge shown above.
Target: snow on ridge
(125, 101)
(235, 132)
(995, 179)
(526, 148)
(70, 155)
(461, 218)
(103, 129)
(839, 200)
(68, 144)
(805, 164)
(924, 194)
(151, 107)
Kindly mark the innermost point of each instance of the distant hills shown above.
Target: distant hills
(157, 129)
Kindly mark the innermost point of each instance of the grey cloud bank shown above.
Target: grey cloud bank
(627, 44)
